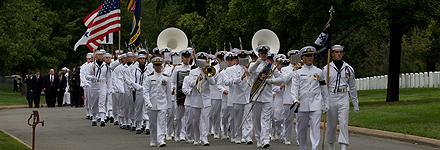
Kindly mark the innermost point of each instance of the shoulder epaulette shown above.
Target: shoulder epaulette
(151, 73)
(165, 75)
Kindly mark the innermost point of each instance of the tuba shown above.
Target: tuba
(173, 38)
(266, 37)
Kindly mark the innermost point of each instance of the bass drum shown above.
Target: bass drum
(180, 96)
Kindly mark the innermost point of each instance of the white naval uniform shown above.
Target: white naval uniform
(118, 93)
(157, 92)
(262, 109)
(188, 117)
(100, 77)
(66, 97)
(128, 97)
(277, 114)
(309, 89)
(139, 75)
(241, 95)
(216, 103)
(109, 100)
(167, 69)
(224, 110)
(339, 101)
(201, 104)
(85, 84)
(179, 110)
(288, 115)
(230, 109)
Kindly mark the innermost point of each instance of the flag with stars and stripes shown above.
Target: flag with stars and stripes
(108, 20)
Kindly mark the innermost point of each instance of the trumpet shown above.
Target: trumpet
(208, 71)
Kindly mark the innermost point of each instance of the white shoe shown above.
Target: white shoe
(153, 144)
(216, 136)
(224, 136)
(182, 138)
(169, 138)
(177, 139)
(287, 142)
(191, 141)
(237, 142)
(266, 144)
(162, 144)
(277, 137)
(243, 141)
(196, 143)
(271, 137)
(297, 143)
(205, 143)
(259, 144)
(232, 140)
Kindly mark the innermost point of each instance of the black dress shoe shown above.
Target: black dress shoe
(116, 123)
(138, 131)
(99, 120)
(147, 132)
(102, 123)
(93, 123)
(105, 120)
(133, 129)
(88, 117)
(127, 127)
(143, 128)
(123, 127)
(112, 119)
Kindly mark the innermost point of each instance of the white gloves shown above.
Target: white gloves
(356, 106)
(258, 61)
(269, 81)
(137, 87)
(254, 66)
(326, 108)
(276, 81)
(356, 109)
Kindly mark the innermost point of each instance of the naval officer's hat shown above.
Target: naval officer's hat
(307, 50)
(282, 56)
(202, 55)
(263, 49)
(157, 61)
(292, 52)
(235, 50)
(185, 52)
(174, 54)
(220, 54)
(338, 47)
(270, 55)
(156, 51)
(163, 50)
(229, 55)
(242, 53)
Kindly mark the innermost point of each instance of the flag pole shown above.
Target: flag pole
(327, 82)
(119, 40)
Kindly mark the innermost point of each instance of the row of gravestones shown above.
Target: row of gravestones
(406, 80)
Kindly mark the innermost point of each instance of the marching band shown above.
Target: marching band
(187, 96)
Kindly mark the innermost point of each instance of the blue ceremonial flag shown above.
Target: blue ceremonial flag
(324, 40)
(135, 33)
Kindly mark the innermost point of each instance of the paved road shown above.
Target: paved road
(66, 128)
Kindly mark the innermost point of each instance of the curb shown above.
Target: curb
(30, 147)
(15, 106)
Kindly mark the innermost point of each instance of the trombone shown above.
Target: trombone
(208, 71)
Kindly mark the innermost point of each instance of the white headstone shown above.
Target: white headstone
(426, 78)
(422, 80)
(402, 80)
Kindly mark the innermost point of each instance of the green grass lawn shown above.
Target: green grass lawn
(9, 98)
(417, 112)
(9, 143)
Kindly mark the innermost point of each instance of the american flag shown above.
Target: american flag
(88, 21)
(107, 21)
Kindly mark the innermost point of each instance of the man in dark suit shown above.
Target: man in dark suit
(63, 84)
(30, 91)
(51, 87)
(37, 86)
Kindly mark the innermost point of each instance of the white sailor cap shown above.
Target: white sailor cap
(135, 54)
(122, 56)
(100, 52)
(89, 55)
(337, 47)
(229, 55)
(140, 51)
(307, 50)
(282, 56)
(166, 49)
(174, 54)
(202, 55)
(157, 61)
(150, 55)
(235, 50)
(68, 69)
(262, 49)
(141, 56)
(156, 50)
(220, 54)
(129, 54)
(64, 68)
(185, 52)
(293, 52)
(270, 55)
(119, 51)
(107, 55)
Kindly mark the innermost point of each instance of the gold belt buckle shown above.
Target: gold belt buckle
(339, 90)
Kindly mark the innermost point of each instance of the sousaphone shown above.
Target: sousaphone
(173, 38)
(266, 37)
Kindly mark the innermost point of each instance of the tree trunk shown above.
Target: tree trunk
(394, 62)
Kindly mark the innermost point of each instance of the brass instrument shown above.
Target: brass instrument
(208, 71)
